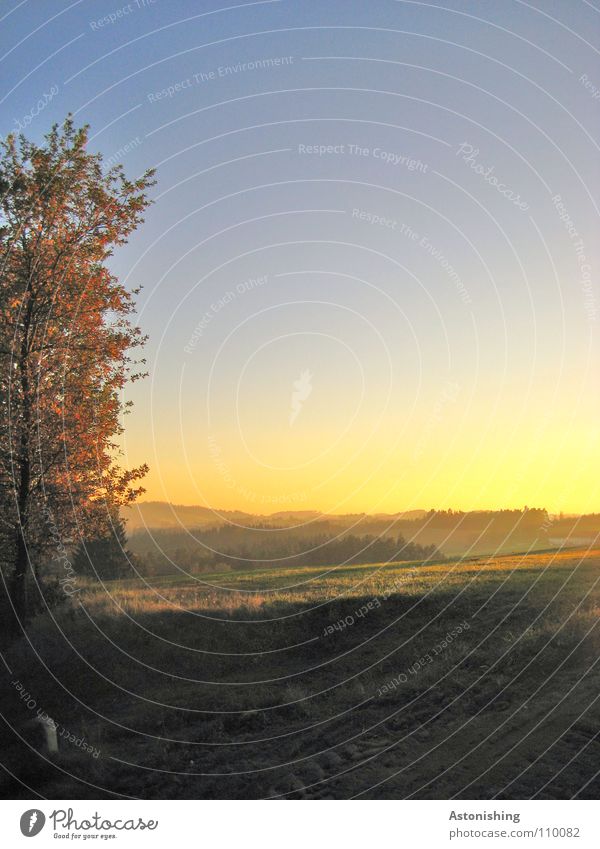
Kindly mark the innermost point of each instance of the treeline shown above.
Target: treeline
(575, 526)
(347, 550)
(527, 519)
(239, 548)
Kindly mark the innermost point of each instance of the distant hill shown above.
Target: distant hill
(295, 516)
(405, 516)
(163, 515)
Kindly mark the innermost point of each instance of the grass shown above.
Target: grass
(237, 685)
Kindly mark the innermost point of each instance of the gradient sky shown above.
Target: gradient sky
(451, 351)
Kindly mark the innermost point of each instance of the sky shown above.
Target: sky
(370, 269)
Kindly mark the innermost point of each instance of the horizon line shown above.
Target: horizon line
(522, 509)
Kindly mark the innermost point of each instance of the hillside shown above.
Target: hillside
(162, 514)
(167, 538)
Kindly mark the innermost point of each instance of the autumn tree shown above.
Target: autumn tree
(66, 346)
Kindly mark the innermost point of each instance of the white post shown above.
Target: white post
(49, 726)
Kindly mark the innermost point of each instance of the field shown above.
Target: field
(466, 679)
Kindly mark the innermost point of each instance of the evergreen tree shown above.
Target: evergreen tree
(105, 554)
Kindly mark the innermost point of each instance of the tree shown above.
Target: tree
(105, 555)
(65, 341)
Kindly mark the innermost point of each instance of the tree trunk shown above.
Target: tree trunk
(19, 586)
(19, 582)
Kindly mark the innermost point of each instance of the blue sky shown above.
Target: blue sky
(450, 333)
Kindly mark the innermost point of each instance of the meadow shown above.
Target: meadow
(470, 678)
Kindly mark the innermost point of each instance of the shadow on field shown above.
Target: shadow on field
(381, 698)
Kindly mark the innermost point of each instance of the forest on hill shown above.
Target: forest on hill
(230, 547)
(286, 540)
